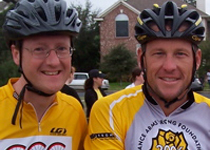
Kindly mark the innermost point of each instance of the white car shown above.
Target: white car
(196, 85)
(80, 78)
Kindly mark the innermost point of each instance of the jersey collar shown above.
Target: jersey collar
(185, 106)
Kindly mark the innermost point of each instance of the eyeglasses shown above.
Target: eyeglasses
(43, 52)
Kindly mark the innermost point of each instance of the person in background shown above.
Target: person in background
(93, 92)
(208, 77)
(69, 90)
(163, 113)
(71, 75)
(136, 77)
(34, 114)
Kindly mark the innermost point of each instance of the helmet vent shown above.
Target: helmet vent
(169, 11)
(184, 26)
(168, 24)
(20, 12)
(57, 12)
(193, 16)
(139, 31)
(153, 26)
(199, 31)
(144, 15)
(73, 24)
(41, 13)
(69, 12)
(45, 1)
(32, 1)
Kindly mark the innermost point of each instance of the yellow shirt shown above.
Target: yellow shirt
(63, 124)
(99, 95)
(127, 120)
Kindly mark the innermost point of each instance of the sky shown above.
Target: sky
(96, 4)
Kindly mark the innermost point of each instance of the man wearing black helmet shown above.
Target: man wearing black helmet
(33, 113)
(164, 113)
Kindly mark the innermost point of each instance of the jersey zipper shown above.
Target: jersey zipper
(39, 122)
(39, 127)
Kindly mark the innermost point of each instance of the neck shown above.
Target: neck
(68, 81)
(95, 86)
(173, 106)
(168, 110)
(137, 82)
(40, 103)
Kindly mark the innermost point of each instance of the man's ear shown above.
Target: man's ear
(15, 55)
(198, 57)
(139, 53)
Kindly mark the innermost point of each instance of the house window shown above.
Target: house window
(121, 25)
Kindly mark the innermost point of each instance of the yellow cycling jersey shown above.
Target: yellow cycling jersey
(63, 126)
(98, 92)
(131, 120)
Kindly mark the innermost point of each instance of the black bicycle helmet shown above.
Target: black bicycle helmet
(168, 22)
(31, 17)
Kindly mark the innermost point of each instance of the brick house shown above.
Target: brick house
(117, 23)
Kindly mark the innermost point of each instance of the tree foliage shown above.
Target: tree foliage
(3, 46)
(7, 67)
(205, 65)
(118, 62)
(87, 44)
(7, 70)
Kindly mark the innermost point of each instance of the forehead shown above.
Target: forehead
(171, 44)
(47, 39)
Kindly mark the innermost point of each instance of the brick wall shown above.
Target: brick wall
(108, 38)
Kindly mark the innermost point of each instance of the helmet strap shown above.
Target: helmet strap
(167, 103)
(31, 88)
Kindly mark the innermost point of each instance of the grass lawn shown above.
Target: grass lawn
(118, 86)
(206, 86)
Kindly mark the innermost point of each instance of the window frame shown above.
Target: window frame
(124, 19)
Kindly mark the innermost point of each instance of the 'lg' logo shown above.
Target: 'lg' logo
(58, 131)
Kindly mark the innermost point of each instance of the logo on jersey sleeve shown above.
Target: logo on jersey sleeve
(169, 140)
(104, 136)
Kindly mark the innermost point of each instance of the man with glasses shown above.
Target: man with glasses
(33, 113)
